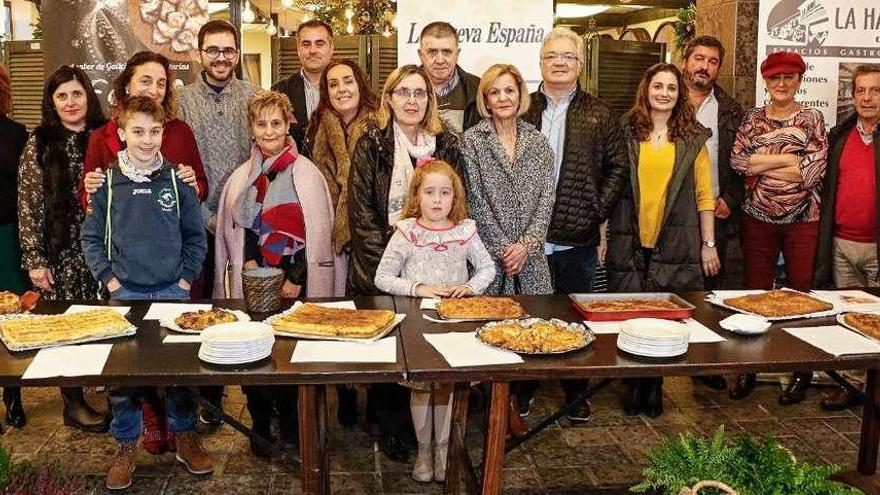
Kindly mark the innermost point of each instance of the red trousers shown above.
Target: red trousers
(761, 244)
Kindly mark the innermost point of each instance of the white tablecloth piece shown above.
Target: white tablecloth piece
(700, 334)
(173, 310)
(69, 360)
(463, 349)
(836, 340)
(329, 351)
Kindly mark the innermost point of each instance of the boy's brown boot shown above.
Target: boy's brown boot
(119, 474)
(192, 455)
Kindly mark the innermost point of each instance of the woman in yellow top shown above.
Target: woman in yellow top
(662, 232)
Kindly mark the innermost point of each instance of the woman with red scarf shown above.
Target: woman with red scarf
(276, 211)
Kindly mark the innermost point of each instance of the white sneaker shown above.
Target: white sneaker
(423, 471)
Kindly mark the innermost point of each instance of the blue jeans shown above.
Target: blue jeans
(128, 418)
(172, 292)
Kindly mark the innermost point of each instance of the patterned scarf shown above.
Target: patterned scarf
(402, 173)
(271, 208)
(130, 170)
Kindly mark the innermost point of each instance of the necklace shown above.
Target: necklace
(657, 135)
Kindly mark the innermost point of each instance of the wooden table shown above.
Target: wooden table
(775, 351)
(143, 359)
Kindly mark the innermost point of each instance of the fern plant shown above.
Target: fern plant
(749, 465)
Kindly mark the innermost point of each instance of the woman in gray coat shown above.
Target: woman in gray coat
(509, 175)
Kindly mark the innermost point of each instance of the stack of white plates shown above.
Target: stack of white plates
(236, 343)
(652, 337)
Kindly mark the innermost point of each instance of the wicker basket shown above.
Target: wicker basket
(707, 484)
(262, 289)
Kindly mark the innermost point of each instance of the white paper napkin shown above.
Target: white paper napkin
(173, 310)
(69, 360)
(463, 349)
(79, 308)
(328, 351)
(429, 303)
(836, 340)
(182, 339)
(850, 300)
(700, 334)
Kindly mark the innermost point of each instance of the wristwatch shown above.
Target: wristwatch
(709, 244)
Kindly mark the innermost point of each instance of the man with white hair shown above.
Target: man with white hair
(590, 164)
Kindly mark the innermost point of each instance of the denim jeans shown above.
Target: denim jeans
(173, 291)
(128, 418)
(572, 270)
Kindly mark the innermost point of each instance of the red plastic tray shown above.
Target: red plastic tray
(686, 309)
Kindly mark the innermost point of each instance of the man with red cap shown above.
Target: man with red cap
(781, 149)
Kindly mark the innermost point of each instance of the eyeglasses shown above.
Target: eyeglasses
(213, 52)
(567, 57)
(406, 93)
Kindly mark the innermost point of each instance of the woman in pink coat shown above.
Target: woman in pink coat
(275, 210)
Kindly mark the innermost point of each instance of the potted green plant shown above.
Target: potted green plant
(744, 466)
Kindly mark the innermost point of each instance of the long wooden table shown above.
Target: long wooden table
(143, 359)
(775, 351)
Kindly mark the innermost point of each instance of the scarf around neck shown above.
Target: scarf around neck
(270, 206)
(402, 173)
(130, 170)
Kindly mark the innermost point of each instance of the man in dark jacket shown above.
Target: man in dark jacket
(456, 89)
(314, 48)
(848, 230)
(717, 112)
(590, 163)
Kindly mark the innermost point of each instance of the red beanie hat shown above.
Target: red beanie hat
(782, 63)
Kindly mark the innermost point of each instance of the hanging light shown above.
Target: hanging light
(271, 30)
(287, 4)
(247, 14)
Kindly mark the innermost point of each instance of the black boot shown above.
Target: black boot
(259, 405)
(744, 386)
(632, 397)
(14, 409)
(79, 414)
(797, 389)
(346, 409)
(652, 397)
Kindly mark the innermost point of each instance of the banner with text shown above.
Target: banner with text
(833, 37)
(99, 36)
(489, 32)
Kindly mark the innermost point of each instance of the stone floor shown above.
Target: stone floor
(605, 456)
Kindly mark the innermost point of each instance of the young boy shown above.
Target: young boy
(143, 238)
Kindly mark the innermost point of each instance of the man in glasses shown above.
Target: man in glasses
(215, 107)
(591, 167)
(314, 47)
(456, 89)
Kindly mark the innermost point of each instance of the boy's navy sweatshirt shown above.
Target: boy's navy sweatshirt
(151, 247)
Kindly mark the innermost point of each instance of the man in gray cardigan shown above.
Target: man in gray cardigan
(216, 108)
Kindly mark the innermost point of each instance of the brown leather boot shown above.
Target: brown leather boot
(79, 414)
(119, 474)
(840, 400)
(192, 455)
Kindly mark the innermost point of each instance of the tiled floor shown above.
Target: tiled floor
(604, 457)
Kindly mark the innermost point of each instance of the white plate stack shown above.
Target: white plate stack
(236, 343)
(653, 337)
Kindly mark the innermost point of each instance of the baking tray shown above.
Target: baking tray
(840, 319)
(588, 334)
(719, 301)
(440, 319)
(398, 317)
(685, 311)
(126, 332)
